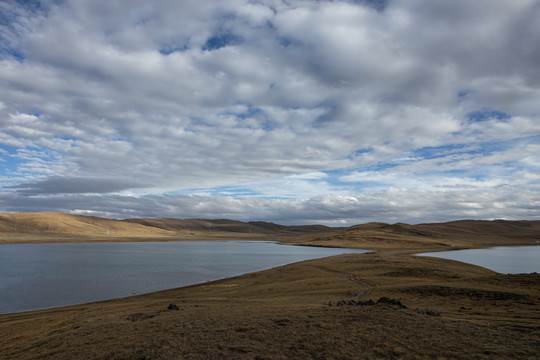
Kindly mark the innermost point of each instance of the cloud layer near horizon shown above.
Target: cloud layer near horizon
(334, 112)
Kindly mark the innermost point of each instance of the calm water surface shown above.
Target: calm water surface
(502, 259)
(36, 276)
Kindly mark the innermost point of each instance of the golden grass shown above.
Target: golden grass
(59, 227)
(45, 225)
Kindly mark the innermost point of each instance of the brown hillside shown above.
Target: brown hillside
(456, 234)
(198, 225)
(61, 227)
(276, 228)
(51, 224)
(224, 225)
(496, 228)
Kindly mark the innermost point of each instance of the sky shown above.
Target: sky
(297, 112)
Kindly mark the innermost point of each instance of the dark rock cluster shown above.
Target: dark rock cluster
(391, 301)
(383, 300)
(427, 312)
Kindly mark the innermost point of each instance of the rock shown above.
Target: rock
(365, 303)
(391, 301)
(172, 307)
(427, 312)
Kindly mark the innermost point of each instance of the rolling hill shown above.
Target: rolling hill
(455, 234)
(50, 225)
(229, 226)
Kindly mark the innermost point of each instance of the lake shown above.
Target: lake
(37, 276)
(502, 259)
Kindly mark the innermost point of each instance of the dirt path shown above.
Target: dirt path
(366, 285)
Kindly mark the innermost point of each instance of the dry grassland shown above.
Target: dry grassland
(309, 310)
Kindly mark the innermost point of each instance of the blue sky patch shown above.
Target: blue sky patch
(250, 112)
(167, 50)
(440, 151)
(483, 115)
(358, 152)
(11, 53)
(219, 41)
(9, 163)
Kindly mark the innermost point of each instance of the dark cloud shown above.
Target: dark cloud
(66, 185)
(388, 205)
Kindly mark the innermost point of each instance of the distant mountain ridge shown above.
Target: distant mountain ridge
(60, 224)
(461, 233)
(50, 224)
(233, 226)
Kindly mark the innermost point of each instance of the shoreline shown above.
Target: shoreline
(393, 252)
(76, 239)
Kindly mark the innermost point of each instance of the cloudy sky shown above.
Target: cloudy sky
(291, 111)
